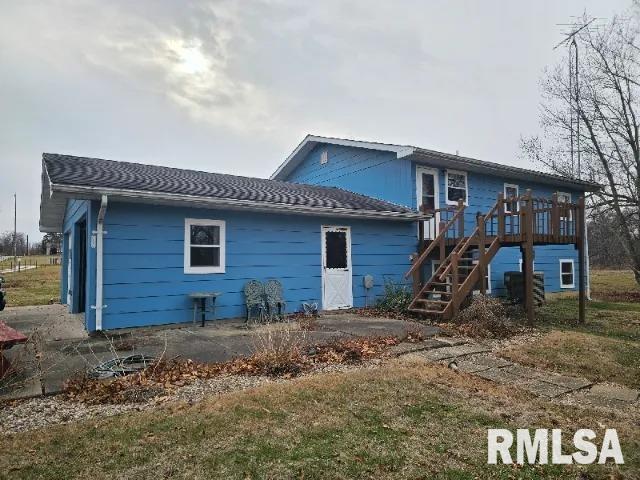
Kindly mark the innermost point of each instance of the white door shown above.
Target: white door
(336, 268)
(428, 194)
(69, 267)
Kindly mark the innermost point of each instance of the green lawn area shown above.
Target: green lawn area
(400, 421)
(37, 286)
(605, 348)
(30, 260)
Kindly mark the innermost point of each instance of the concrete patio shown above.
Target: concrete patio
(66, 348)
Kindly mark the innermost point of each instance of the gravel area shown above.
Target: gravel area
(40, 412)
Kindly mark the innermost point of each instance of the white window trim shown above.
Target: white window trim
(324, 156)
(504, 192)
(446, 186)
(476, 292)
(187, 246)
(573, 272)
(520, 265)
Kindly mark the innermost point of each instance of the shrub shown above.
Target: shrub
(396, 297)
(484, 317)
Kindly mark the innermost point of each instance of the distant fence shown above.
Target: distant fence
(27, 263)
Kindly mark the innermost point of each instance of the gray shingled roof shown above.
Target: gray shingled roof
(81, 172)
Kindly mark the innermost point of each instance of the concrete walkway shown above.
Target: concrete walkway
(476, 359)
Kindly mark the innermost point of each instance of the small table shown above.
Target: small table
(200, 301)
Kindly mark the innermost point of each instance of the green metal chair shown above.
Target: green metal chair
(254, 299)
(274, 299)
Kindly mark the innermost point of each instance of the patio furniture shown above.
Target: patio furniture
(274, 298)
(200, 304)
(254, 298)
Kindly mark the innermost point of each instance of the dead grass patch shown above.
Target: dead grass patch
(595, 357)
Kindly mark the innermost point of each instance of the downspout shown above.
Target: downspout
(99, 266)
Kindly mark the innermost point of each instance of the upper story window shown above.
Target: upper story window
(204, 246)
(564, 197)
(324, 156)
(457, 187)
(510, 194)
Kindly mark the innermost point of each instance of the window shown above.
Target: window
(566, 274)
(520, 265)
(204, 246)
(456, 187)
(511, 192)
(336, 249)
(324, 156)
(428, 191)
(565, 198)
(487, 280)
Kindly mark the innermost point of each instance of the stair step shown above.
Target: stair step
(422, 310)
(426, 300)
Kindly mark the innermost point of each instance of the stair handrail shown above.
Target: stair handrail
(419, 260)
(467, 242)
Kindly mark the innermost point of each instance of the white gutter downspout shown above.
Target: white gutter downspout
(99, 265)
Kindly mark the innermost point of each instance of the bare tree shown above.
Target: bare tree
(606, 106)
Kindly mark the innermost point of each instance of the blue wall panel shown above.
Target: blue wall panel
(382, 175)
(78, 211)
(145, 283)
(369, 172)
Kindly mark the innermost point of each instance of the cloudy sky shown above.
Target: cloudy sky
(233, 87)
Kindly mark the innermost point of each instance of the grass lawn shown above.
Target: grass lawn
(33, 287)
(30, 260)
(605, 348)
(399, 421)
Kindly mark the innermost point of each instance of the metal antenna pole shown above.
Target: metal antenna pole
(575, 44)
(571, 110)
(15, 230)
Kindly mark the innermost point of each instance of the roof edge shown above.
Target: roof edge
(310, 141)
(143, 196)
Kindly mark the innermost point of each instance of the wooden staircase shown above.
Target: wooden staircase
(462, 270)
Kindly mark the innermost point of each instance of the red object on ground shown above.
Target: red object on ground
(8, 338)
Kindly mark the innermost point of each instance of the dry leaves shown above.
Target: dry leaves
(166, 375)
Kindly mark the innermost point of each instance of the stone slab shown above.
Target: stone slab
(405, 347)
(479, 364)
(500, 375)
(455, 351)
(452, 341)
(573, 383)
(544, 389)
(614, 392)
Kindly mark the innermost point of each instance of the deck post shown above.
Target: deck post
(555, 218)
(461, 218)
(420, 236)
(416, 277)
(501, 227)
(454, 284)
(581, 234)
(526, 218)
(481, 247)
(442, 247)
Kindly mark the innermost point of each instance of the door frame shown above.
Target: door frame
(323, 230)
(420, 169)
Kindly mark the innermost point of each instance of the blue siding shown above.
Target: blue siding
(145, 283)
(369, 172)
(77, 211)
(382, 175)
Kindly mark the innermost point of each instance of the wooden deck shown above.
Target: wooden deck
(523, 221)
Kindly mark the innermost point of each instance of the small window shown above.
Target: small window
(336, 249)
(324, 156)
(428, 191)
(487, 280)
(566, 274)
(204, 246)
(456, 187)
(511, 204)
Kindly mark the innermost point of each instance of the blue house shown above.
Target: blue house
(138, 239)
